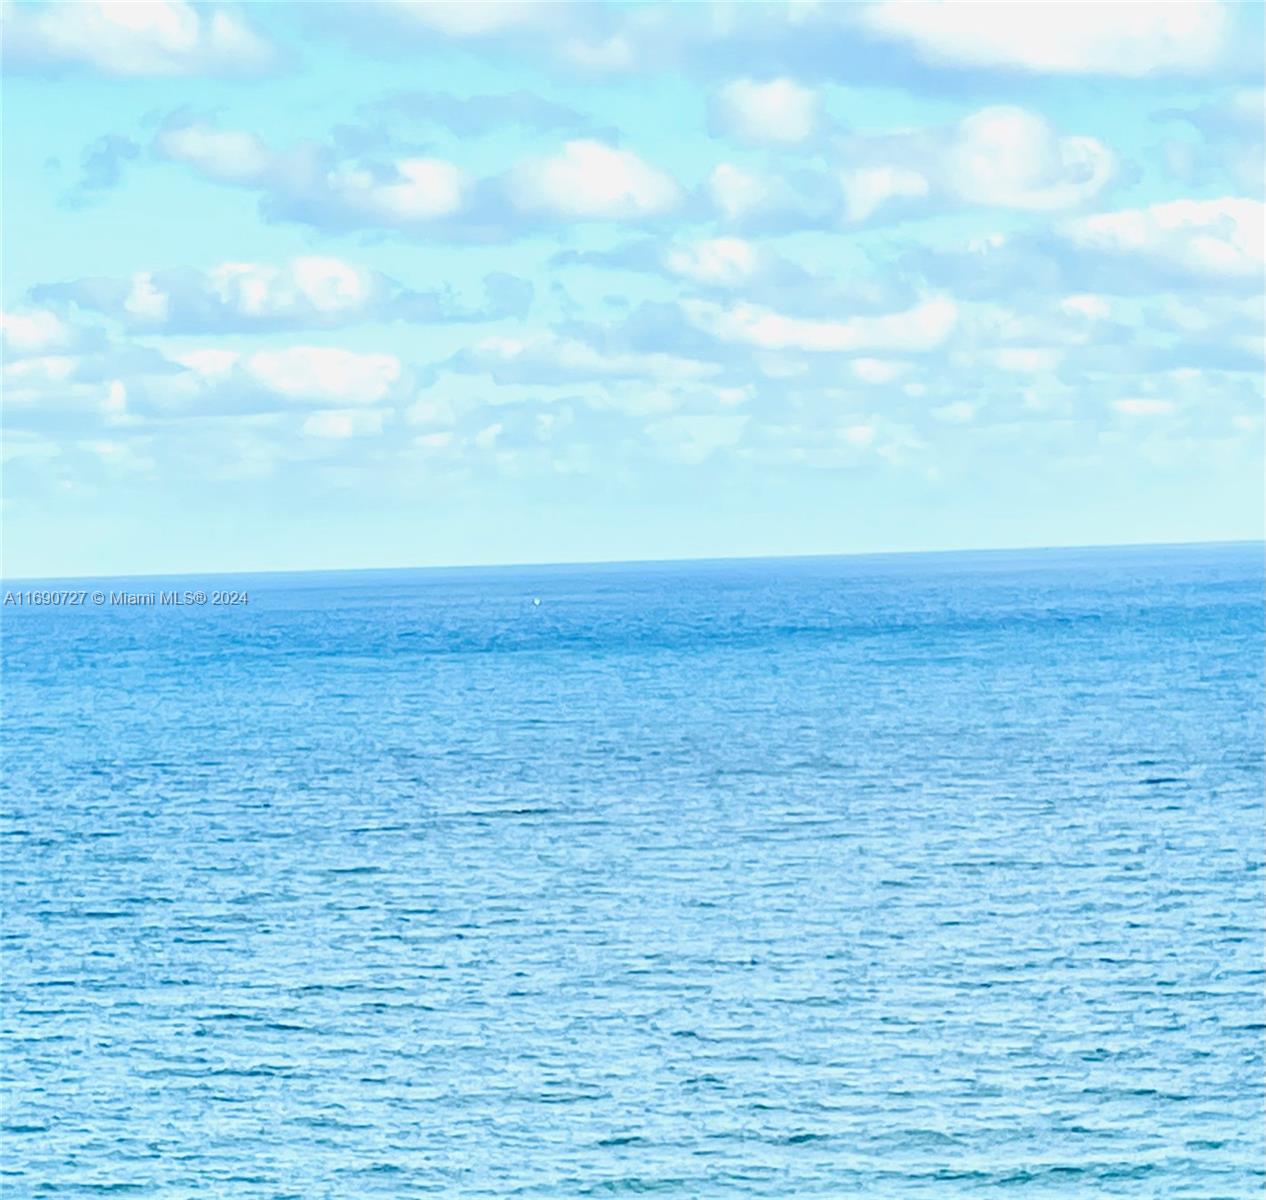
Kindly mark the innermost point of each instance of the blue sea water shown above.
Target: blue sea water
(909, 876)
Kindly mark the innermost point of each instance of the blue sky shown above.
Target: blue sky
(316, 285)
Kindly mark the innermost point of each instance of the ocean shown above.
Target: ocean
(894, 876)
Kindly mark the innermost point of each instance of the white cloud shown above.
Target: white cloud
(590, 180)
(325, 373)
(723, 261)
(487, 437)
(1140, 407)
(1007, 157)
(311, 184)
(779, 111)
(208, 363)
(156, 37)
(732, 397)
(432, 410)
(615, 53)
(308, 292)
(318, 290)
(857, 435)
(548, 358)
(145, 300)
(454, 19)
(40, 371)
(33, 331)
(114, 406)
(318, 185)
(308, 285)
(803, 197)
(1130, 39)
(317, 374)
(434, 441)
(343, 423)
(229, 156)
(866, 189)
(737, 193)
(422, 190)
(1093, 308)
(1025, 359)
(998, 157)
(1218, 239)
(923, 327)
(877, 370)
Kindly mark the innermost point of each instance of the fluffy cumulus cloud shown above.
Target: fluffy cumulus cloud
(773, 201)
(1135, 406)
(737, 193)
(343, 423)
(466, 21)
(125, 392)
(593, 40)
(999, 157)
(1003, 157)
(590, 180)
(1091, 258)
(32, 331)
(227, 156)
(1107, 39)
(305, 291)
(1011, 158)
(305, 287)
(319, 373)
(318, 185)
(130, 389)
(631, 243)
(726, 262)
(918, 329)
(776, 111)
(116, 37)
(874, 42)
(308, 292)
(551, 359)
(313, 184)
(1217, 239)
(877, 370)
(412, 190)
(755, 268)
(867, 189)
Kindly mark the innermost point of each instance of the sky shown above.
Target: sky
(294, 286)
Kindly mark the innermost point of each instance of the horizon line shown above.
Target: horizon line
(616, 562)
